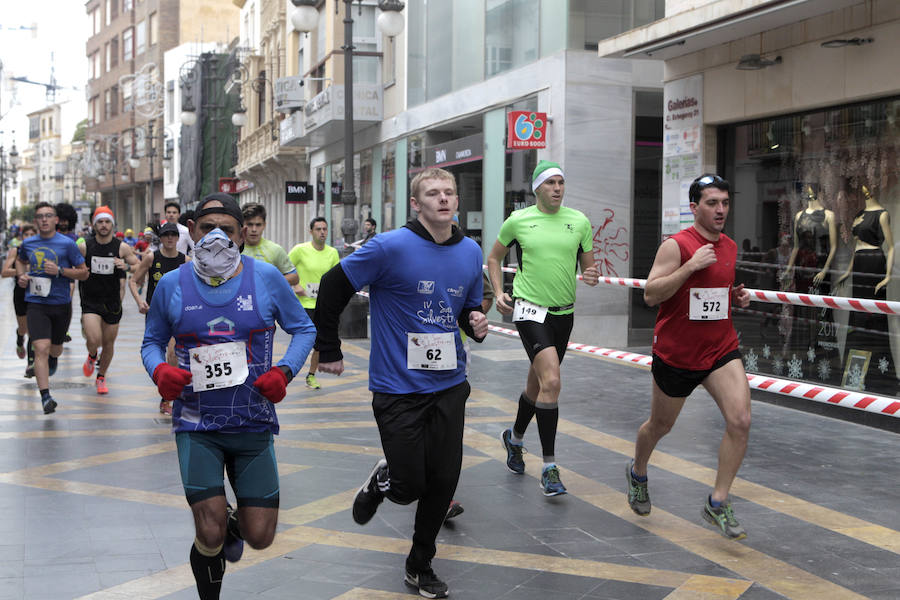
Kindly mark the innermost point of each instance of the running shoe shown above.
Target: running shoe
(165, 407)
(427, 583)
(550, 482)
(101, 386)
(311, 382)
(371, 494)
(723, 519)
(638, 495)
(20, 349)
(52, 363)
(49, 405)
(68, 338)
(234, 541)
(514, 460)
(454, 510)
(88, 367)
(29, 371)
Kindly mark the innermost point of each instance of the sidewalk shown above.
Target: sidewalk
(94, 507)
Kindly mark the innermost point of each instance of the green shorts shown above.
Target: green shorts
(248, 457)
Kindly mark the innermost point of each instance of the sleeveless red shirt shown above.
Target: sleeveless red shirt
(697, 345)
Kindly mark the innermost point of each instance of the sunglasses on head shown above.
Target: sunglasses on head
(709, 179)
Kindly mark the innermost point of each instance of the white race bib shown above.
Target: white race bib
(527, 311)
(103, 265)
(709, 304)
(39, 286)
(431, 351)
(312, 290)
(219, 366)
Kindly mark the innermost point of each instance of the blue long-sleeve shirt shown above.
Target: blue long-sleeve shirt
(275, 302)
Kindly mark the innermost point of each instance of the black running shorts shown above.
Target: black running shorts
(554, 332)
(49, 321)
(110, 312)
(679, 383)
(19, 303)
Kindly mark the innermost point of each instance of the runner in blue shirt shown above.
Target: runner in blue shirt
(221, 309)
(425, 283)
(46, 265)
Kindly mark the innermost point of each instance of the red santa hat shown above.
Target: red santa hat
(103, 212)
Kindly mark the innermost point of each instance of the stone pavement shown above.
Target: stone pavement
(92, 502)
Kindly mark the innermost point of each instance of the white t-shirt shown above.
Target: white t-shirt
(185, 244)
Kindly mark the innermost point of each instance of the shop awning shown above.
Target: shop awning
(705, 26)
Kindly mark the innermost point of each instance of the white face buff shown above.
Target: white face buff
(216, 257)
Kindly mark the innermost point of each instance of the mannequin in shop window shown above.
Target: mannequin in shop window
(868, 351)
(815, 244)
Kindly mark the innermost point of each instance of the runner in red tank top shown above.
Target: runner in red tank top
(695, 343)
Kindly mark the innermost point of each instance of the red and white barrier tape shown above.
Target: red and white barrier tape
(887, 307)
(806, 391)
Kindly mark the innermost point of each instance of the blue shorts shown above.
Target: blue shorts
(248, 457)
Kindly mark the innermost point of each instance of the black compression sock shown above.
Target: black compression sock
(524, 414)
(547, 419)
(45, 393)
(208, 573)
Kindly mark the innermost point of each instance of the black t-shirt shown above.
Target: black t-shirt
(160, 266)
(101, 286)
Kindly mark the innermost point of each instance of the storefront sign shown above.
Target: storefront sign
(296, 192)
(289, 93)
(682, 146)
(455, 152)
(328, 106)
(526, 129)
(233, 185)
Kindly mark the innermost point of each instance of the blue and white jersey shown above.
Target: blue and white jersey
(243, 309)
(59, 249)
(416, 287)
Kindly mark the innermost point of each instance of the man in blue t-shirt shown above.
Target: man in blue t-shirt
(221, 308)
(46, 265)
(425, 283)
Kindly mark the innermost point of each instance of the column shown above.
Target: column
(494, 174)
(401, 183)
(377, 187)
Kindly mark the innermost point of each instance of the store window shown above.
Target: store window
(816, 203)
(511, 34)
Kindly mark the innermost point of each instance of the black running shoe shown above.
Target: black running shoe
(52, 363)
(514, 460)
(454, 510)
(427, 583)
(234, 541)
(49, 405)
(371, 494)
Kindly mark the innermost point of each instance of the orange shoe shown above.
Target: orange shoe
(88, 367)
(101, 386)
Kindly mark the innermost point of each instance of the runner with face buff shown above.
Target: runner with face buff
(221, 308)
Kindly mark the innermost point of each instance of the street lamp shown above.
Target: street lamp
(390, 22)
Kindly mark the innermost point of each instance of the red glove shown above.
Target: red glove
(170, 380)
(272, 384)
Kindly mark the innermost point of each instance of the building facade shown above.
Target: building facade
(797, 104)
(126, 135)
(265, 166)
(440, 94)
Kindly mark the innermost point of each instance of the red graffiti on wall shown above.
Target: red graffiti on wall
(610, 245)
